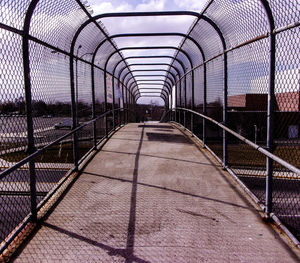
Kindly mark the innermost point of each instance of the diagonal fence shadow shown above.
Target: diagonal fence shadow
(132, 214)
(110, 250)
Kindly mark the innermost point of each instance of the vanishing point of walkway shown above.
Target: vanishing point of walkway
(151, 195)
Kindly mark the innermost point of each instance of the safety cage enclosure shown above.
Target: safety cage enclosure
(234, 82)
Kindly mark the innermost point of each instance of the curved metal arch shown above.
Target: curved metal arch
(169, 87)
(166, 77)
(170, 82)
(160, 96)
(160, 47)
(155, 80)
(147, 82)
(132, 14)
(163, 82)
(134, 85)
(150, 70)
(144, 76)
(149, 35)
(159, 91)
(152, 64)
(125, 14)
(141, 57)
(150, 80)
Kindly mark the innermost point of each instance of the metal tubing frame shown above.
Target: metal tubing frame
(168, 81)
(161, 47)
(151, 70)
(217, 29)
(154, 34)
(133, 85)
(155, 47)
(271, 80)
(165, 94)
(148, 57)
(28, 97)
(144, 76)
(271, 104)
(143, 14)
(155, 80)
(149, 64)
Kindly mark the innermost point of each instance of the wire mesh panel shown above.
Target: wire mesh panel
(189, 91)
(286, 204)
(245, 26)
(214, 105)
(14, 200)
(247, 112)
(50, 96)
(51, 101)
(198, 100)
(12, 13)
(13, 128)
(83, 92)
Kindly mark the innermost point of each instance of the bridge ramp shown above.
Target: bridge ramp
(150, 195)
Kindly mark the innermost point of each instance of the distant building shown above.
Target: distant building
(249, 109)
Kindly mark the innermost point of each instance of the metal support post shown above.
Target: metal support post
(30, 129)
(270, 126)
(113, 102)
(123, 105)
(204, 104)
(175, 103)
(94, 107)
(127, 106)
(179, 114)
(225, 89)
(193, 101)
(105, 104)
(271, 104)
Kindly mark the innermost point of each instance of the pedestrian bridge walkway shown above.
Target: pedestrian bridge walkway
(153, 195)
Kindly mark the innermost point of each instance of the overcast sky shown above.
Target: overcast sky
(147, 24)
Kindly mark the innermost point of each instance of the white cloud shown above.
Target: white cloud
(153, 5)
(194, 5)
(108, 7)
(153, 24)
(143, 24)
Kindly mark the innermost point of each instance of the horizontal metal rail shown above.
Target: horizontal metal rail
(250, 143)
(28, 218)
(258, 38)
(42, 150)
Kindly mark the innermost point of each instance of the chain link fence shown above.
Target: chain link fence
(62, 93)
(249, 80)
(52, 115)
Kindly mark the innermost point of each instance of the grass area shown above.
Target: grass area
(245, 155)
(56, 154)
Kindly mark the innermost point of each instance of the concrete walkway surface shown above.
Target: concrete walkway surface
(150, 195)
